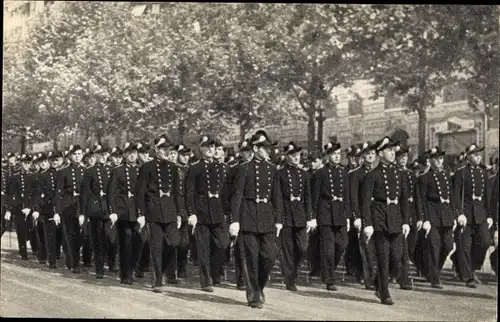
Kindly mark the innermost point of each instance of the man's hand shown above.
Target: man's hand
(192, 221)
(454, 225)
(36, 214)
(368, 232)
(427, 227)
(462, 220)
(81, 220)
(495, 238)
(490, 222)
(278, 229)
(357, 224)
(57, 219)
(406, 230)
(179, 222)
(234, 229)
(142, 221)
(113, 217)
(8, 215)
(311, 225)
(26, 211)
(348, 224)
(419, 224)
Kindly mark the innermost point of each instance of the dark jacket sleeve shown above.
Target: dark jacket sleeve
(315, 192)
(403, 200)
(422, 185)
(487, 196)
(38, 192)
(494, 206)
(113, 190)
(354, 194)
(277, 199)
(190, 189)
(458, 185)
(179, 196)
(60, 180)
(347, 194)
(239, 187)
(85, 191)
(307, 196)
(366, 198)
(141, 188)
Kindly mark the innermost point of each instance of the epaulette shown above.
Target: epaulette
(352, 170)
(245, 162)
(460, 168)
(196, 162)
(269, 162)
(422, 173)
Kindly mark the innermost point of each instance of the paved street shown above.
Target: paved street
(29, 289)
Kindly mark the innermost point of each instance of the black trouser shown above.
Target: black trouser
(193, 249)
(211, 241)
(183, 248)
(144, 251)
(86, 244)
(420, 253)
(163, 240)
(72, 232)
(388, 249)
(440, 244)
(103, 248)
(352, 257)
(293, 247)
(408, 253)
(50, 238)
(111, 249)
(333, 241)
(39, 229)
(471, 246)
(368, 258)
(494, 260)
(129, 242)
(258, 252)
(32, 234)
(238, 262)
(22, 230)
(314, 256)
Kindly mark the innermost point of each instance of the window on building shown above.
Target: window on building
(391, 100)
(355, 104)
(454, 93)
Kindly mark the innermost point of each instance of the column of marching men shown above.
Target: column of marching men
(379, 211)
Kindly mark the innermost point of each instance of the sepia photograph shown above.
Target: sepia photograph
(250, 161)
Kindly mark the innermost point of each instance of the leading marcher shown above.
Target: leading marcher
(257, 216)
(384, 199)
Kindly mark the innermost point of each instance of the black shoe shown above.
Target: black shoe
(183, 275)
(173, 281)
(24, 258)
(76, 270)
(139, 274)
(476, 279)
(437, 285)
(256, 305)
(331, 287)
(241, 287)
(208, 289)
(370, 287)
(471, 284)
(87, 265)
(314, 274)
(41, 262)
(52, 266)
(388, 301)
(377, 294)
(291, 287)
(407, 287)
(157, 289)
(262, 297)
(58, 258)
(99, 276)
(216, 283)
(113, 270)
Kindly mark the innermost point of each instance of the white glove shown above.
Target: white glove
(81, 220)
(234, 229)
(142, 221)
(278, 229)
(406, 230)
(192, 220)
(495, 238)
(8, 215)
(348, 225)
(427, 227)
(179, 222)
(357, 224)
(368, 232)
(419, 224)
(454, 225)
(311, 225)
(490, 222)
(57, 219)
(113, 217)
(462, 220)
(36, 214)
(26, 211)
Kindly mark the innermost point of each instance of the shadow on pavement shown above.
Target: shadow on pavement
(336, 295)
(205, 298)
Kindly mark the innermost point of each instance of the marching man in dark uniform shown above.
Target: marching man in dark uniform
(330, 199)
(205, 188)
(160, 200)
(297, 214)
(494, 209)
(471, 202)
(183, 249)
(116, 157)
(314, 258)
(384, 201)
(21, 192)
(257, 216)
(95, 206)
(68, 211)
(45, 207)
(439, 215)
(124, 211)
(365, 261)
(145, 252)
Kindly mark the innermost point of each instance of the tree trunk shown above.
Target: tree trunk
(311, 130)
(422, 129)
(321, 120)
(182, 129)
(24, 143)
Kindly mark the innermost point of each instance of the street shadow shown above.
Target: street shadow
(455, 293)
(336, 295)
(204, 297)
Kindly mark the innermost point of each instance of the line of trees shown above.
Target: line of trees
(194, 67)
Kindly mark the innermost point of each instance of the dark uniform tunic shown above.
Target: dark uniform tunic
(21, 191)
(297, 210)
(205, 188)
(438, 208)
(314, 256)
(95, 207)
(183, 249)
(330, 200)
(68, 189)
(384, 200)
(160, 199)
(494, 209)
(364, 259)
(4, 199)
(471, 199)
(122, 201)
(257, 206)
(46, 190)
